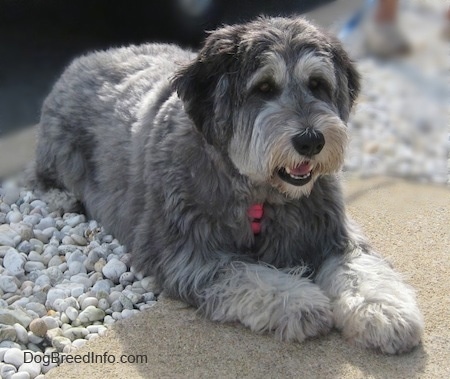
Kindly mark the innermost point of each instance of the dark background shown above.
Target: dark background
(38, 38)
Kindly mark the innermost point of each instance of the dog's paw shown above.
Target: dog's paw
(305, 322)
(267, 300)
(381, 326)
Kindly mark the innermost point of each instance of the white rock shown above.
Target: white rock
(51, 322)
(79, 240)
(3, 350)
(14, 262)
(7, 370)
(36, 307)
(21, 375)
(76, 268)
(31, 219)
(114, 269)
(75, 333)
(41, 236)
(34, 266)
(92, 336)
(25, 231)
(55, 261)
(10, 344)
(102, 330)
(108, 320)
(45, 223)
(32, 368)
(71, 313)
(149, 284)
(46, 367)
(75, 220)
(90, 314)
(103, 304)
(89, 301)
(33, 338)
(37, 245)
(53, 294)
(14, 217)
(7, 284)
(60, 342)
(80, 342)
(11, 195)
(102, 285)
(21, 332)
(126, 278)
(11, 315)
(14, 356)
(126, 313)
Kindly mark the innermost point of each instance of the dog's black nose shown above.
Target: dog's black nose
(309, 143)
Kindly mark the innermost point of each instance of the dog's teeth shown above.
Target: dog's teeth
(288, 170)
(300, 176)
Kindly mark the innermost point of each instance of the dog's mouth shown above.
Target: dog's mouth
(298, 175)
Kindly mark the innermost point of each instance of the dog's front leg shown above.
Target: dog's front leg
(266, 299)
(371, 304)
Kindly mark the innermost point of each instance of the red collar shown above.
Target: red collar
(256, 212)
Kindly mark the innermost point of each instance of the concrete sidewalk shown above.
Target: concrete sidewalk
(408, 223)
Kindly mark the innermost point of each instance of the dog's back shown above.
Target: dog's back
(88, 118)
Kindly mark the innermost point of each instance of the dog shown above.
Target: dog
(220, 172)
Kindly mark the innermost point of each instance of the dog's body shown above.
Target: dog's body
(170, 150)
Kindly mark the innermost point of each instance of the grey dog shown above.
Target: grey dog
(219, 171)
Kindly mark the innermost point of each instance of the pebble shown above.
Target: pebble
(32, 368)
(75, 333)
(14, 356)
(11, 315)
(7, 332)
(55, 293)
(79, 343)
(7, 284)
(21, 333)
(13, 262)
(59, 342)
(71, 313)
(23, 375)
(114, 269)
(38, 327)
(89, 301)
(36, 307)
(50, 322)
(33, 338)
(91, 314)
(7, 370)
(34, 266)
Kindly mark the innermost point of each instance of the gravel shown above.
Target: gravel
(63, 281)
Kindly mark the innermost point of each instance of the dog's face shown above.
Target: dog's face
(274, 95)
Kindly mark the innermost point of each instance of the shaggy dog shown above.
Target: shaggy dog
(219, 169)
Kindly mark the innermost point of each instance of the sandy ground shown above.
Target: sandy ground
(407, 222)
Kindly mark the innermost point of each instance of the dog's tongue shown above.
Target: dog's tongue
(301, 169)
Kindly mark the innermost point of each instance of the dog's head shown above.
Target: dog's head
(275, 95)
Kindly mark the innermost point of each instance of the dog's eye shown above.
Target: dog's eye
(265, 87)
(319, 88)
(314, 84)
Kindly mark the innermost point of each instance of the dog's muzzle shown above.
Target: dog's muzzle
(306, 144)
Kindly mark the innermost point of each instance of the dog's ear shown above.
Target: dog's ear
(348, 80)
(206, 78)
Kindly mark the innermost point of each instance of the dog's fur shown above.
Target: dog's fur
(169, 149)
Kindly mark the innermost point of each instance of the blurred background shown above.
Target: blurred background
(400, 126)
